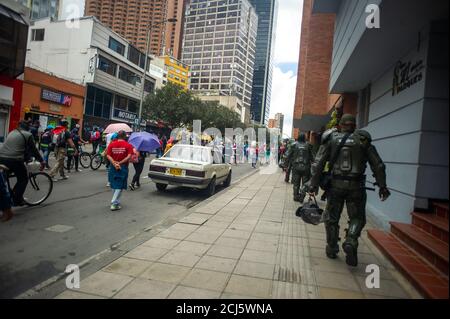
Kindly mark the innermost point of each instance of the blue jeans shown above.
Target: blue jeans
(116, 197)
(46, 153)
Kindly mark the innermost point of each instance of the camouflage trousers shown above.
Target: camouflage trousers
(355, 200)
(300, 176)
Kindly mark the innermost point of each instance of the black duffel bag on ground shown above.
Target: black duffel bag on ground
(310, 212)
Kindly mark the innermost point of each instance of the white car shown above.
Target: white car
(190, 166)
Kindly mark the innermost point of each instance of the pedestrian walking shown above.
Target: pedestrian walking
(138, 164)
(95, 139)
(118, 153)
(45, 144)
(71, 155)
(62, 140)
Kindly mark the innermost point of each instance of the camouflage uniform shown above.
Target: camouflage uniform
(287, 164)
(300, 157)
(347, 184)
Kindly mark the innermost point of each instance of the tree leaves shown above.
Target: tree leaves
(179, 108)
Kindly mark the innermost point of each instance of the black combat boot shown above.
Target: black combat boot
(351, 252)
(332, 249)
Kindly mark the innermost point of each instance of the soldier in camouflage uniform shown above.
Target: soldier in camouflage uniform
(347, 183)
(287, 165)
(300, 157)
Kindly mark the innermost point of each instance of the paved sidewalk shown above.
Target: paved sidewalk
(245, 242)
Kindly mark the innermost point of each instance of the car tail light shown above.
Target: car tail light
(195, 173)
(155, 168)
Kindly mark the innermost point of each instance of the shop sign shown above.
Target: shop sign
(56, 97)
(35, 107)
(124, 115)
(54, 108)
(406, 74)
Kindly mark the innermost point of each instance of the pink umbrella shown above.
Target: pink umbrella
(117, 127)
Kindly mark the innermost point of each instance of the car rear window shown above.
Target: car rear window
(189, 153)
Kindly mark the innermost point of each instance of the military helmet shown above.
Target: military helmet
(347, 119)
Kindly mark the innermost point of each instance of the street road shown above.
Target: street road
(76, 223)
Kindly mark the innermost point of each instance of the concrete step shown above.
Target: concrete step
(435, 251)
(425, 277)
(432, 224)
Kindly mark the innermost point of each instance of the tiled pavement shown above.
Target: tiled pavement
(245, 242)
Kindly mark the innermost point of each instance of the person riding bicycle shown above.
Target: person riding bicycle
(18, 148)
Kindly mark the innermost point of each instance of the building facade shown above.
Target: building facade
(132, 19)
(14, 21)
(94, 56)
(267, 11)
(313, 102)
(47, 99)
(279, 121)
(219, 44)
(399, 73)
(177, 71)
(174, 31)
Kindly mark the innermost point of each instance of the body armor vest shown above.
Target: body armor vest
(352, 158)
(301, 154)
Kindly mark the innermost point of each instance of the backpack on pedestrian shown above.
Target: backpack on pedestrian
(59, 139)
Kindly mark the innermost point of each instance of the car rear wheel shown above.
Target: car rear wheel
(161, 187)
(211, 189)
(227, 182)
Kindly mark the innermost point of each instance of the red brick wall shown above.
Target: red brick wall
(316, 46)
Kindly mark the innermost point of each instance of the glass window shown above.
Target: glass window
(37, 34)
(120, 102)
(116, 46)
(127, 76)
(132, 106)
(149, 86)
(107, 66)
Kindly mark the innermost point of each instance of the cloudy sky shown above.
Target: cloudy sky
(286, 57)
(287, 47)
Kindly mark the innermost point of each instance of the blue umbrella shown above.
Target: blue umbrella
(144, 142)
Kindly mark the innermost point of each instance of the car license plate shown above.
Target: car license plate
(175, 171)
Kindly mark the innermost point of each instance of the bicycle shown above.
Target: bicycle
(40, 190)
(84, 158)
(98, 159)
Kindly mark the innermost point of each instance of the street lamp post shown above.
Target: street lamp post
(171, 20)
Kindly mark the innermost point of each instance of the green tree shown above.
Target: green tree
(170, 104)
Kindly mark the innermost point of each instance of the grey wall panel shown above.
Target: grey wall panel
(400, 149)
(405, 120)
(435, 115)
(432, 182)
(397, 207)
(434, 149)
(437, 83)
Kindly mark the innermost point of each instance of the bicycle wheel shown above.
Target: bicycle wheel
(85, 160)
(39, 188)
(96, 161)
